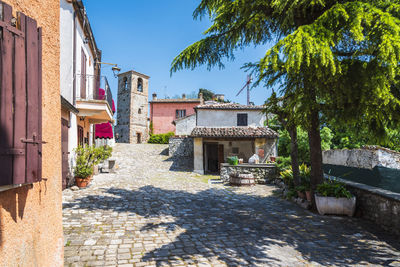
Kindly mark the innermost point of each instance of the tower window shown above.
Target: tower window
(140, 111)
(140, 85)
(125, 81)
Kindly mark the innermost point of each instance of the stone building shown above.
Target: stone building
(132, 111)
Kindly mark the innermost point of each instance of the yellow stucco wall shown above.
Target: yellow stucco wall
(31, 216)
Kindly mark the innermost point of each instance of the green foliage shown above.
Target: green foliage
(160, 138)
(291, 193)
(332, 188)
(303, 143)
(300, 188)
(287, 176)
(151, 127)
(282, 163)
(207, 94)
(87, 157)
(305, 176)
(333, 58)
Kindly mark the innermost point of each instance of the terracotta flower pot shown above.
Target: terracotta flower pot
(301, 195)
(81, 182)
(308, 196)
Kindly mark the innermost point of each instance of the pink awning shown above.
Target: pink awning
(104, 130)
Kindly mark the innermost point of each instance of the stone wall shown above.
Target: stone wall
(181, 152)
(377, 205)
(365, 158)
(263, 173)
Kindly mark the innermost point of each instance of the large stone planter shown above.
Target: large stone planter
(333, 205)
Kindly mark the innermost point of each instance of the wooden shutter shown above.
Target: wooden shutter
(83, 74)
(21, 99)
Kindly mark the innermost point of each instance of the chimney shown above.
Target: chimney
(183, 96)
(201, 99)
(154, 96)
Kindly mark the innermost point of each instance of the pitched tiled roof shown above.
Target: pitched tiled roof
(175, 121)
(229, 106)
(180, 100)
(237, 131)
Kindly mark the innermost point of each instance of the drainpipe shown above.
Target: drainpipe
(74, 63)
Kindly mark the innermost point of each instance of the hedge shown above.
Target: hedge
(160, 138)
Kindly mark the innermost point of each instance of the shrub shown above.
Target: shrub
(283, 163)
(160, 138)
(332, 188)
(87, 157)
(287, 176)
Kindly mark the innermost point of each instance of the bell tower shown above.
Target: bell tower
(132, 112)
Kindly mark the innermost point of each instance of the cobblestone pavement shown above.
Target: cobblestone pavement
(149, 215)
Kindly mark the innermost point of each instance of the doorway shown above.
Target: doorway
(139, 138)
(214, 155)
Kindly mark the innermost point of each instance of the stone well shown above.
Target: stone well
(263, 173)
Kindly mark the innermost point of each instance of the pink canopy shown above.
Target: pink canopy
(104, 130)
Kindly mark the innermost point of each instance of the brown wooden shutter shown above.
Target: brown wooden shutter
(21, 99)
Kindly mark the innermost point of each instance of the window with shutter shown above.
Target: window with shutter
(180, 113)
(21, 99)
(242, 119)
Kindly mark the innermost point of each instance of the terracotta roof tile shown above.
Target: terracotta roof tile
(239, 131)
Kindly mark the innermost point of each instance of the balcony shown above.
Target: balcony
(94, 98)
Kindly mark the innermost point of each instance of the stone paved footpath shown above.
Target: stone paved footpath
(149, 215)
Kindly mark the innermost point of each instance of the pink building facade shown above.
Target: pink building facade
(164, 111)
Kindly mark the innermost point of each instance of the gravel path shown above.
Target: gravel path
(148, 215)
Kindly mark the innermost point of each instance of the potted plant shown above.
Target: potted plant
(287, 177)
(301, 189)
(305, 179)
(333, 198)
(86, 158)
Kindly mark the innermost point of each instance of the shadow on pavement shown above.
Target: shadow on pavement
(246, 229)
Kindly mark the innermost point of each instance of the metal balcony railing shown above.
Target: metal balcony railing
(93, 87)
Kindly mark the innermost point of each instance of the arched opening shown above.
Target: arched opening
(140, 111)
(140, 85)
(125, 83)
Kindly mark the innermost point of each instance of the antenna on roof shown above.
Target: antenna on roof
(247, 84)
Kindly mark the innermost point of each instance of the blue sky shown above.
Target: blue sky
(147, 35)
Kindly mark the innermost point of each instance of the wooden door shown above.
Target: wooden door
(212, 158)
(220, 156)
(64, 152)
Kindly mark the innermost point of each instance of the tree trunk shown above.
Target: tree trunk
(294, 154)
(314, 138)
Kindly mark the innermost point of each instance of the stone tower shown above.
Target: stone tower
(132, 112)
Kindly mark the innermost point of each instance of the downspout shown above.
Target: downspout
(74, 62)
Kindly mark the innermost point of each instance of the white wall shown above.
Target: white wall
(66, 50)
(80, 37)
(228, 118)
(185, 126)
